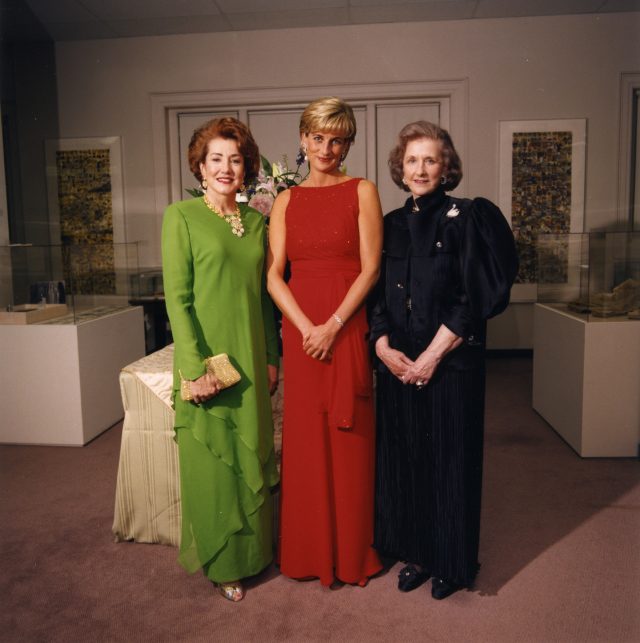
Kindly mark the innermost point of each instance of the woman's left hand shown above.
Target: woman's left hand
(318, 341)
(272, 375)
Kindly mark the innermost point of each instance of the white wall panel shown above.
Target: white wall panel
(276, 132)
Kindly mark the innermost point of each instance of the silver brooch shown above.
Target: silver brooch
(454, 212)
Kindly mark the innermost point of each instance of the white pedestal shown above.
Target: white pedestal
(59, 383)
(586, 380)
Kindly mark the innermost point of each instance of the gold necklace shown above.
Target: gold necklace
(232, 219)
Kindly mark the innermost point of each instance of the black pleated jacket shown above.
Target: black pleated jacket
(453, 262)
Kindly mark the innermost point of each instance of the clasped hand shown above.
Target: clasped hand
(421, 371)
(417, 372)
(317, 341)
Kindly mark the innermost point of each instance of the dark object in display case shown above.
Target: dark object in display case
(52, 292)
(157, 332)
(147, 289)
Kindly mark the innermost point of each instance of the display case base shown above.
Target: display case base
(586, 378)
(60, 381)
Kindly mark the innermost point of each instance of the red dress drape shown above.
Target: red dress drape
(326, 526)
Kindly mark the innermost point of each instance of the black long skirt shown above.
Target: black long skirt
(429, 472)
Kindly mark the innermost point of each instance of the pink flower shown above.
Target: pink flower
(262, 202)
(268, 185)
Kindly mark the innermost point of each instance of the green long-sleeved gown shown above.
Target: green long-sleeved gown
(217, 302)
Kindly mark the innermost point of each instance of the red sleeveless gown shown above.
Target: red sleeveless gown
(327, 505)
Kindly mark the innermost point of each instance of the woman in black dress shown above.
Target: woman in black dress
(448, 266)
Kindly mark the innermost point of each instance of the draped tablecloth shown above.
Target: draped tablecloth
(147, 503)
(147, 507)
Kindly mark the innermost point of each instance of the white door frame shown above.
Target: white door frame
(164, 107)
(629, 84)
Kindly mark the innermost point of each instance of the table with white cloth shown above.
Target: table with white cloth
(147, 504)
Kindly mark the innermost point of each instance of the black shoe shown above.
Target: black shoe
(409, 578)
(441, 588)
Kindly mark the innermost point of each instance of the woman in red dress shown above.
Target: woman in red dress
(330, 230)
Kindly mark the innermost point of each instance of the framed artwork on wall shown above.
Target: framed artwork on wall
(542, 184)
(86, 206)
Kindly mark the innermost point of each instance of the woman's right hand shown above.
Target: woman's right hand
(204, 388)
(396, 361)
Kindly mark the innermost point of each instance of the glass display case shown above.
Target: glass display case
(595, 275)
(67, 328)
(147, 283)
(65, 284)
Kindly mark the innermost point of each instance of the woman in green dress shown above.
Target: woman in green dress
(213, 268)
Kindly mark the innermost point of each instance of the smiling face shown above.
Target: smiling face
(324, 150)
(223, 167)
(423, 166)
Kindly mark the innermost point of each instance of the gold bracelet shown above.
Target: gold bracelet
(185, 388)
(338, 319)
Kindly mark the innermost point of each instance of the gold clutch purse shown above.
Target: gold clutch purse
(220, 367)
(223, 370)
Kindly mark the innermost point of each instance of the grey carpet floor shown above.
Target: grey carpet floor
(560, 553)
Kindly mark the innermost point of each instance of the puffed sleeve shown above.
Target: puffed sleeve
(489, 260)
(177, 275)
(270, 330)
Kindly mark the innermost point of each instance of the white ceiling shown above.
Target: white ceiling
(91, 19)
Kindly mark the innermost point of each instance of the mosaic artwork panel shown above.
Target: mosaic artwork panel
(541, 198)
(86, 219)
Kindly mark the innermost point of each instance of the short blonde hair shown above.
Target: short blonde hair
(329, 114)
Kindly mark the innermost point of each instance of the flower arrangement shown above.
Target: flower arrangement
(272, 179)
